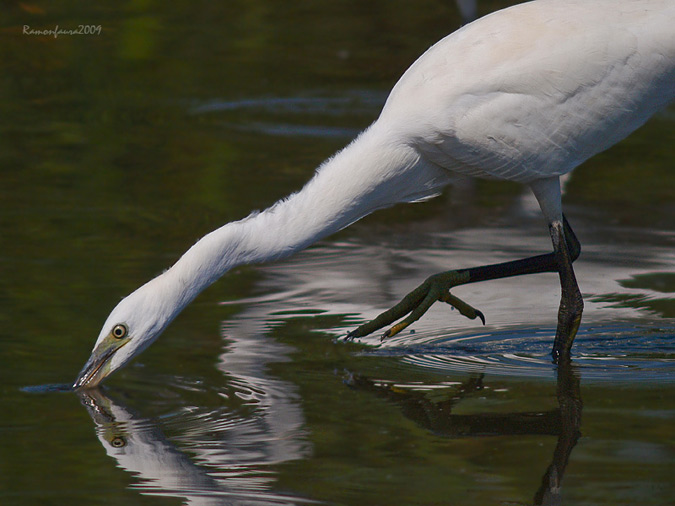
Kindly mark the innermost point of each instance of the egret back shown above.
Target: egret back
(532, 91)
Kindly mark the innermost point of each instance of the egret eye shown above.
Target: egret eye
(118, 442)
(119, 331)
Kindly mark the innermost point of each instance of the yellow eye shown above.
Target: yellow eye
(118, 442)
(119, 331)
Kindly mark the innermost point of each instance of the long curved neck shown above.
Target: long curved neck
(367, 175)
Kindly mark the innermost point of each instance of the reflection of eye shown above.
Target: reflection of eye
(118, 442)
(119, 331)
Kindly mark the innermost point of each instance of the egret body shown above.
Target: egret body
(525, 94)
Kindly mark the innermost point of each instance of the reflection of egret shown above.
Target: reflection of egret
(525, 94)
(226, 462)
(436, 415)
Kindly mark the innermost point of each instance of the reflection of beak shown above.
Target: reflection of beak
(98, 366)
(100, 407)
(97, 404)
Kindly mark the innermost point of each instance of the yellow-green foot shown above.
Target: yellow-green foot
(566, 249)
(416, 303)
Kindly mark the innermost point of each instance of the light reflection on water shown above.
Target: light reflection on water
(616, 342)
(349, 102)
(607, 352)
(292, 116)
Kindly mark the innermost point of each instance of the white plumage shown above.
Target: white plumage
(524, 94)
(533, 91)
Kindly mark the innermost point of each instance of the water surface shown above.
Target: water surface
(120, 150)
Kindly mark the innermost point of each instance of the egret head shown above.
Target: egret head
(132, 326)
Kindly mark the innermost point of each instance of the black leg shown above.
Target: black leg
(437, 288)
(571, 302)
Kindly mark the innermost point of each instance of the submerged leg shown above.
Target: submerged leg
(437, 288)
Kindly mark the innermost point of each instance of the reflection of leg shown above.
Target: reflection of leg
(566, 249)
(436, 415)
(438, 286)
(399, 395)
(569, 399)
(430, 413)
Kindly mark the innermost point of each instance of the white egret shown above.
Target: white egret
(525, 94)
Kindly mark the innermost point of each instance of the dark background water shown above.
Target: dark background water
(119, 150)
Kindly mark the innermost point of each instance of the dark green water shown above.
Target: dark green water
(119, 150)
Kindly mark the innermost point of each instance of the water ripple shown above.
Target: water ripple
(623, 353)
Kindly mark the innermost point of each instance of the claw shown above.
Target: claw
(465, 309)
(351, 335)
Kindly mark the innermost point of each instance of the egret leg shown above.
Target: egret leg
(566, 249)
(565, 246)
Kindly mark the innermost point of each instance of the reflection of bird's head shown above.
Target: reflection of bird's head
(131, 327)
(113, 421)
